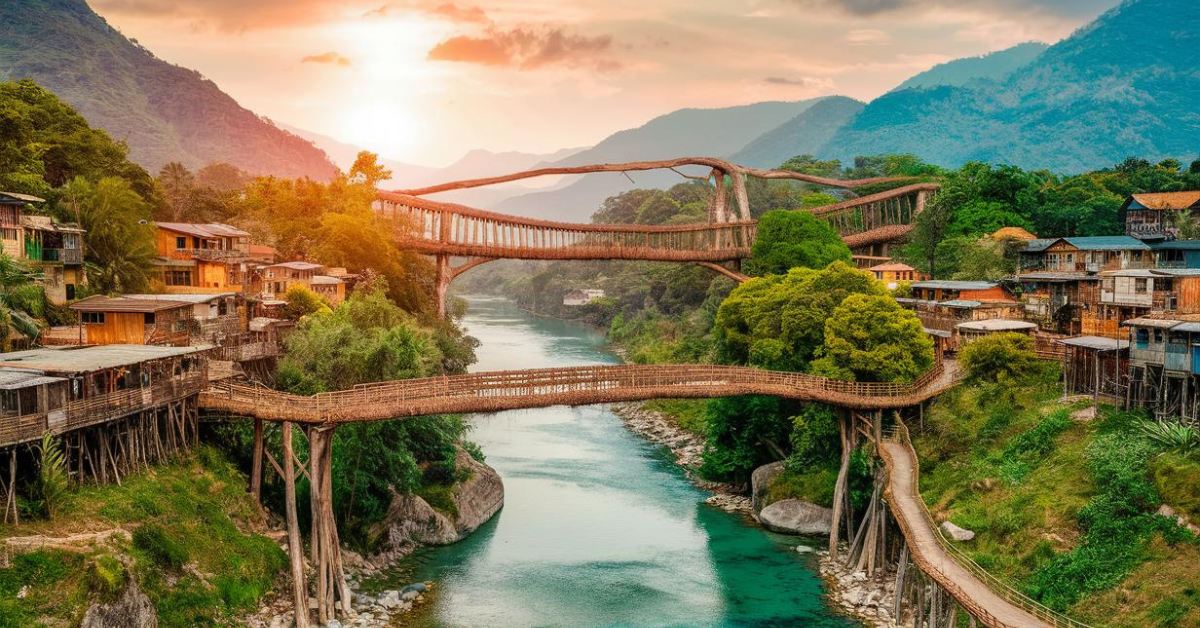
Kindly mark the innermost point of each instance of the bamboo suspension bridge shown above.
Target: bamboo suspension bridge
(447, 230)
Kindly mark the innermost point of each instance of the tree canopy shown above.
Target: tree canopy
(794, 239)
(871, 338)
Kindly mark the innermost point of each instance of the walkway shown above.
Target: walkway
(537, 388)
(989, 600)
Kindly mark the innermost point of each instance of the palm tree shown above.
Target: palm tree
(22, 301)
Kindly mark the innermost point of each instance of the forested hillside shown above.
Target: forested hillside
(163, 112)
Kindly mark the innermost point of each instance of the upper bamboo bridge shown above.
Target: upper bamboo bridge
(447, 230)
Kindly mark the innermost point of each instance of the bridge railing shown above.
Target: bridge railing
(899, 433)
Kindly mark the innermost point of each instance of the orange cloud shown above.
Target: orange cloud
(447, 10)
(527, 49)
(328, 57)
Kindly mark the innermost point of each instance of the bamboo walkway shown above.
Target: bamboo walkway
(538, 388)
(991, 601)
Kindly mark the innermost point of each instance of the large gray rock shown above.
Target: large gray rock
(760, 480)
(793, 516)
(132, 610)
(956, 533)
(411, 521)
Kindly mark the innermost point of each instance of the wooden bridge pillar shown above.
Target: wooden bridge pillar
(444, 276)
(295, 547)
(256, 462)
(332, 593)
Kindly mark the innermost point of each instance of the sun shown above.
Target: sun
(388, 128)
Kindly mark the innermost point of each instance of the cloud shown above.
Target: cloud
(528, 49)
(804, 81)
(446, 10)
(332, 58)
(868, 37)
(230, 16)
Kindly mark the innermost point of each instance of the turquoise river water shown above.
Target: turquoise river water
(599, 528)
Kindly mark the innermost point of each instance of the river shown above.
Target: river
(599, 527)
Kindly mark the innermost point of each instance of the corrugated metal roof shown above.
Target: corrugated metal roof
(1187, 327)
(296, 265)
(1176, 245)
(204, 230)
(1178, 272)
(1095, 342)
(955, 285)
(961, 303)
(86, 359)
(183, 298)
(996, 324)
(326, 280)
(1057, 277)
(1039, 244)
(12, 379)
(1108, 243)
(22, 198)
(1164, 200)
(891, 267)
(100, 303)
(1156, 323)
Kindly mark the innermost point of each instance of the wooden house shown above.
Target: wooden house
(983, 291)
(1056, 301)
(116, 407)
(57, 250)
(1153, 216)
(329, 287)
(1086, 255)
(1176, 253)
(1097, 366)
(122, 321)
(272, 282)
(943, 305)
(1129, 294)
(1164, 365)
(894, 273)
(201, 257)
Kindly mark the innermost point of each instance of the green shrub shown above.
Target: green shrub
(161, 548)
(106, 576)
(51, 486)
(1000, 356)
(1172, 435)
(814, 438)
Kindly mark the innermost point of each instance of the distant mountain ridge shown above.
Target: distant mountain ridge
(682, 133)
(1124, 85)
(163, 112)
(806, 134)
(995, 66)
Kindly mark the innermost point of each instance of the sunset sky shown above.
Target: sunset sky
(424, 81)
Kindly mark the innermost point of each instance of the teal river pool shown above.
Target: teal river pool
(599, 528)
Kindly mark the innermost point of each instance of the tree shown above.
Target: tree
(367, 170)
(22, 301)
(743, 433)
(302, 302)
(872, 339)
(778, 322)
(794, 239)
(120, 239)
(179, 190)
(657, 209)
(998, 357)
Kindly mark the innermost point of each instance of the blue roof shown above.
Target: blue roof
(1040, 244)
(1179, 245)
(1108, 243)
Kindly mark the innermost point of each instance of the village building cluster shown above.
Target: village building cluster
(1122, 312)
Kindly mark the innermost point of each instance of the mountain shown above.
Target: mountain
(682, 133)
(162, 111)
(1124, 85)
(995, 66)
(805, 134)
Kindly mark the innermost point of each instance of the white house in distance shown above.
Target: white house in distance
(582, 297)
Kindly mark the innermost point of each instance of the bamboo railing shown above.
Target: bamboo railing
(447, 229)
(1039, 615)
(507, 390)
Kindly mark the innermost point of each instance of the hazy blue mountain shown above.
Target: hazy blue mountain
(162, 111)
(1127, 84)
(995, 66)
(805, 134)
(682, 133)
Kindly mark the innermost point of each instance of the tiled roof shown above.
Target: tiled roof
(1165, 200)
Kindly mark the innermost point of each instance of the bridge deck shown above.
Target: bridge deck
(991, 601)
(508, 390)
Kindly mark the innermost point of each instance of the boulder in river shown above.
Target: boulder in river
(760, 480)
(956, 533)
(793, 516)
(411, 521)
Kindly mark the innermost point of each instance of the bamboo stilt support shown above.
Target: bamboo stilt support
(295, 549)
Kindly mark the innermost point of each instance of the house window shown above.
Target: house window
(70, 292)
(1139, 286)
(10, 234)
(93, 318)
(1158, 336)
(1143, 337)
(149, 318)
(181, 243)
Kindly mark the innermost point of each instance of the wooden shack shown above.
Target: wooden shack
(116, 407)
(118, 321)
(1151, 216)
(1097, 366)
(1057, 301)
